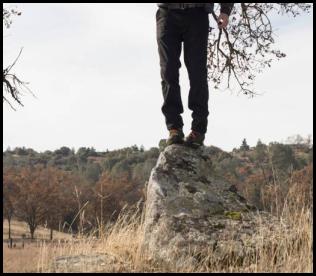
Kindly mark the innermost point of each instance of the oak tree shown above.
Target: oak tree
(246, 47)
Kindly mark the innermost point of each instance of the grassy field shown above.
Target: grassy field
(21, 260)
(27, 259)
(18, 228)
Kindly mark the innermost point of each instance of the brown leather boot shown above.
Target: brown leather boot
(194, 139)
(175, 137)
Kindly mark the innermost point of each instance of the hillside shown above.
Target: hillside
(103, 183)
(94, 194)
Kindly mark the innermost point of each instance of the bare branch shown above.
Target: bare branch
(12, 85)
(245, 48)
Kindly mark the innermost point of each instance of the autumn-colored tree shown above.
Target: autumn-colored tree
(31, 197)
(112, 194)
(38, 196)
(55, 181)
(63, 197)
(76, 196)
(9, 195)
(296, 190)
(252, 189)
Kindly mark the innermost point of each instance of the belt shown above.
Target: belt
(183, 6)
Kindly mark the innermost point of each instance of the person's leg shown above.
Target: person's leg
(195, 57)
(169, 47)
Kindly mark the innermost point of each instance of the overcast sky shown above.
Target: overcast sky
(94, 69)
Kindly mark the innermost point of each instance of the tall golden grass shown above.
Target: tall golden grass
(292, 250)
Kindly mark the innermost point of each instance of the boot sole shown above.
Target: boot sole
(193, 145)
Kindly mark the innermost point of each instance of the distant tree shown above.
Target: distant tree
(121, 168)
(114, 194)
(92, 172)
(65, 151)
(31, 197)
(83, 154)
(283, 157)
(48, 152)
(38, 196)
(261, 151)
(77, 196)
(73, 196)
(9, 195)
(21, 151)
(44, 196)
(295, 139)
(109, 162)
(105, 203)
(246, 47)
(54, 181)
(261, 158)
(244, 145)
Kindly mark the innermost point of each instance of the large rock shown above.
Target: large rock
(87, 263)
(190, 212)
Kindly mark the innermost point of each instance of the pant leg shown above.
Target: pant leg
(195, 57)
(169, 46)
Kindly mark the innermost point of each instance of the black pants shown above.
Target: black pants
(190, 26)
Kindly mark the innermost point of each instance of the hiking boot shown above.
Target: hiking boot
(194, 139)
(175, 137)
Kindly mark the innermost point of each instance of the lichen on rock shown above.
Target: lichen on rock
(233, 215)
(189, 210)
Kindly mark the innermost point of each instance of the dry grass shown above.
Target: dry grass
(20, 260)
(292, 251)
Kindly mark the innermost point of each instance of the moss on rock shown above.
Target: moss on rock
(233, 215)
